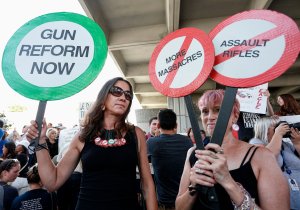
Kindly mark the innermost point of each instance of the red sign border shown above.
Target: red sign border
(208, 47)
(289, 56)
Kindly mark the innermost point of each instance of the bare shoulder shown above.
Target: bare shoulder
(262, 154)
(263, 160)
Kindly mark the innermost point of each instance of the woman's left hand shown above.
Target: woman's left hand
(216, 161)
(295, 134)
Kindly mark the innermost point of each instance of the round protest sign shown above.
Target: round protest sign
(181, 62)
(54, 56)
(254, 47)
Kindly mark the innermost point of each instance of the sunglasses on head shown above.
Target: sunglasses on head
(117, 91)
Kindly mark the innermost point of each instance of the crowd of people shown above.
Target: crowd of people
(98, 168)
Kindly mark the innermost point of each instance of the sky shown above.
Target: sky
(14, 14)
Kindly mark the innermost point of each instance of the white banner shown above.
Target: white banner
(253, 99)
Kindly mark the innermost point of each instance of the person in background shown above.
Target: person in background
(109, 149)
(242, 175)
(59, 127)
(9, 171)
(14, 137)
(190, 134)
(36, 197)
(3, 139)
(246, 120)
(20, 183)
(167, 153)
(152, 128)
(9, 150)
(52, 141)
(205, 139)
(67, 194)
(288, 105)
(24, 130)
(270, 133)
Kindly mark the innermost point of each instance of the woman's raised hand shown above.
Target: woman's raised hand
(32, 132)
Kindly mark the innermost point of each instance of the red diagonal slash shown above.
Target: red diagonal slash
(185, 46)
(271, 34)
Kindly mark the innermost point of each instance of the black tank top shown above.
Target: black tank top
(244, 175)
(109, 175)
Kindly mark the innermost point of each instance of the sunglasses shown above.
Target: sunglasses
(117, 91)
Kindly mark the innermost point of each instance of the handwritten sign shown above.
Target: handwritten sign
(253, 99)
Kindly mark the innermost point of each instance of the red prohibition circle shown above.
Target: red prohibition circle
(189, 35)
(284, 26)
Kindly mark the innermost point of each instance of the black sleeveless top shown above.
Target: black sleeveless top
(244, 175)
(109, 175)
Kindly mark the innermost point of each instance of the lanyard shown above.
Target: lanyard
(284, 166)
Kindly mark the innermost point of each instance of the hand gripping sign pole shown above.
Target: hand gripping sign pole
(179, 65)
(48, 59)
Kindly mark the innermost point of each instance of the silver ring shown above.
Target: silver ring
(221, 151)
(198, 171)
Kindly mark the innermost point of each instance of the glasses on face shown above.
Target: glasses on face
(117, 91)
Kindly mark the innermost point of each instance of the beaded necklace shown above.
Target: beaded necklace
(109, 139)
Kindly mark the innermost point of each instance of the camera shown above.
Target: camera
(292, 125)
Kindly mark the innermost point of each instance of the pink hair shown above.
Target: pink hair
(212, 97)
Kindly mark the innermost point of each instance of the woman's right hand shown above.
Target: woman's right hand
(282, 129)
(33, 133)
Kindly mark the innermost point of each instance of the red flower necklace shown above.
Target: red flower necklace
(110, 140)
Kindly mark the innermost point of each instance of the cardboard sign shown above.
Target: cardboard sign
(181, 62)
(54, 56)
(254, 47)
(253, 99)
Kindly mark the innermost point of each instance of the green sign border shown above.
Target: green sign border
(54, 93)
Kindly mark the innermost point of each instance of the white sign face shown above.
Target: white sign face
(189, 67)
(253, 99)
(254, 47)
(181, 62)
(83, 108)
(258, 50)
(54, 54)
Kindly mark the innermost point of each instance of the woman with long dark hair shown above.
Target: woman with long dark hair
(109, 148)
(288, 105)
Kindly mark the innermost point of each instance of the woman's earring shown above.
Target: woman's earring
(235, 129)
(103, 108)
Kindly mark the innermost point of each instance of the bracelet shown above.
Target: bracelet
(41, 147)
(192, 190)
(247, 201)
